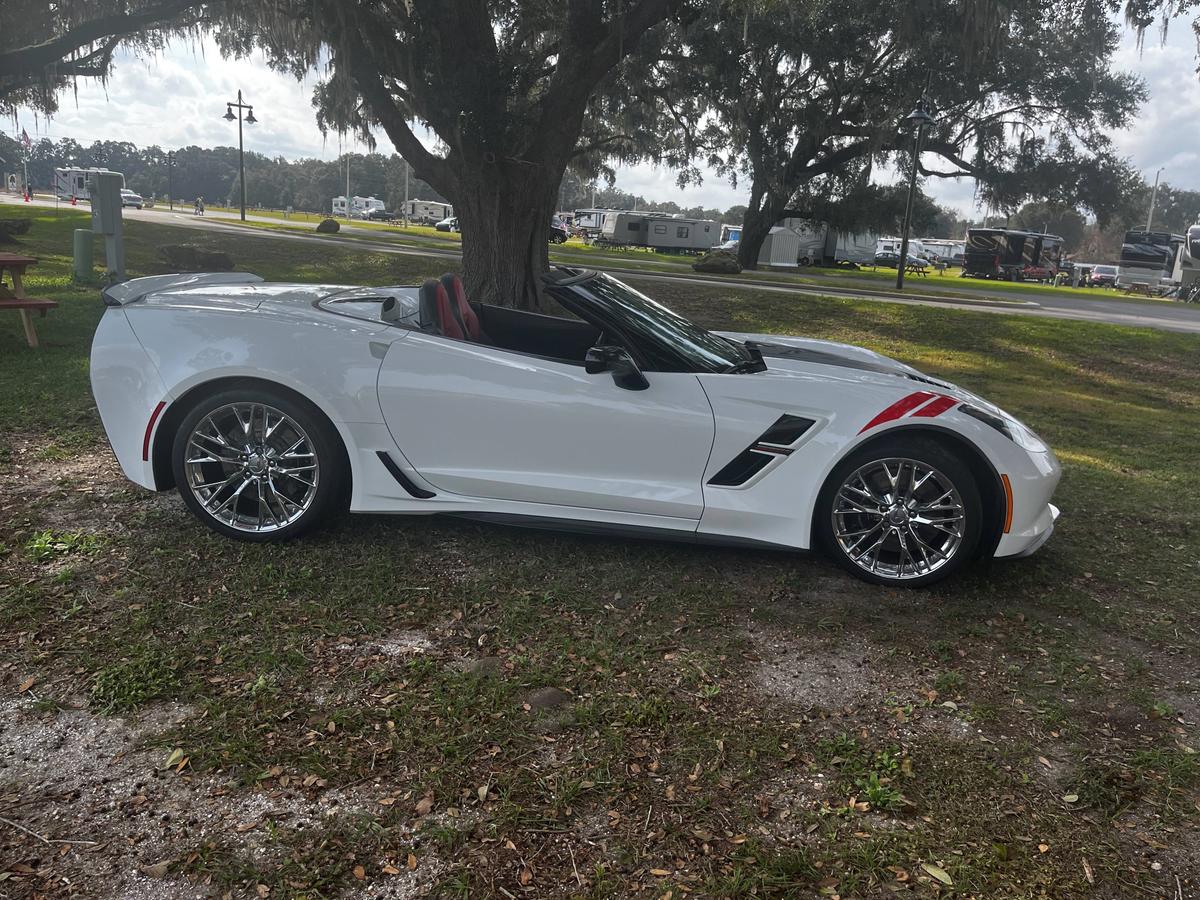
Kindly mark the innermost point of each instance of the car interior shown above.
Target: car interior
(445, 310)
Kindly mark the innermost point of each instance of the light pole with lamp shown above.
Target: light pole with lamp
(250, 120)
(919, 119)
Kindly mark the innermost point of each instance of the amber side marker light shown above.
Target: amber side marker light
(1007, 503)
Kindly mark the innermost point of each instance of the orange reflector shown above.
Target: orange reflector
(1007, 503)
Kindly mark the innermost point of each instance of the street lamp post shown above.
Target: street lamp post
(1153, 198)
(250, 120)
(919, 119)
(170, 184)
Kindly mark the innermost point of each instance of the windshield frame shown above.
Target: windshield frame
(660, 339)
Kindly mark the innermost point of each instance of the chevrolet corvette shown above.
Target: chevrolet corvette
(270, 406)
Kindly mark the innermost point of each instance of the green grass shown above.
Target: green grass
(672, 754)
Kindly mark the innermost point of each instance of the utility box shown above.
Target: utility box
(105, 189)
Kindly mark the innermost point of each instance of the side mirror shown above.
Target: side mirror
(625, 372)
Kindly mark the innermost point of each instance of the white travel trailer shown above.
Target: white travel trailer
(804, 242)
(950, 251)
(427, 212)
(660, 232)
(591, 220)
(916, 248)
(73, 182)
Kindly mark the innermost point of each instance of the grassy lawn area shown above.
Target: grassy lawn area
(395, 707)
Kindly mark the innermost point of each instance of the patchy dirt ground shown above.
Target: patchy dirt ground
(408, 708)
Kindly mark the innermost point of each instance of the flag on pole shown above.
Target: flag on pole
(25, 139)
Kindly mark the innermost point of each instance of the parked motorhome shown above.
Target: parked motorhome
(659, 232)
(1152, 258)
(73, 183)
(1189, 264)
(731, 233)
(427, 212)
(360, 207)
(1010, 255)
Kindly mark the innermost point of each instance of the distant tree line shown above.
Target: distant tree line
(212, 173)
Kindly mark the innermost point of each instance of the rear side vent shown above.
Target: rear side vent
(774, 442)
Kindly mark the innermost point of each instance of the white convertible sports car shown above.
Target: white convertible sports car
(271, 405)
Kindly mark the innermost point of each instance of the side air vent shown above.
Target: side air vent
(774, 442)
(403, 480)
(741, 468)
(786, 430)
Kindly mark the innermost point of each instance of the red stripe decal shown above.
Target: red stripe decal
(899, 408)
(936, 408)
(150, 429)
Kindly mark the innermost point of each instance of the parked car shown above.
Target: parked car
(730, 245)
(379, 215)
(891, 259)
(1104, 276)
(129, 198)
(448, 224)
(559, 233)
(616, 414)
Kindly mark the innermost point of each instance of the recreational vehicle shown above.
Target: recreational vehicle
(659, 232)
(950, 251)
(360, 207)
(1010, 255)
(73, 183)
(427, 212)
(591, 221)
(1152, 258)
(916, 248)
(797, 241)
(1189, 263)
(731, 233)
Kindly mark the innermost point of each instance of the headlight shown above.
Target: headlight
(1007, 426)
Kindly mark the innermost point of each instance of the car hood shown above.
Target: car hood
(808, 357)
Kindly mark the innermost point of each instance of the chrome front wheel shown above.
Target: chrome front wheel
(906, 512)
(898, 518)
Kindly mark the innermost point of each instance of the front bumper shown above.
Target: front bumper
(1045, 528)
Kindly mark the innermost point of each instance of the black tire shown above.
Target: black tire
(947, 465)
(330, 475)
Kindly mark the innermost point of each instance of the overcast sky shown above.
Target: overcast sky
(178, 99)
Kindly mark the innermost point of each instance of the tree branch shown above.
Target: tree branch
(38, 57)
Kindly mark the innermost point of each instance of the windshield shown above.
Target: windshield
(1106, 270)
(667, 337)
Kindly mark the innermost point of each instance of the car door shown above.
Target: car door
(490, 423)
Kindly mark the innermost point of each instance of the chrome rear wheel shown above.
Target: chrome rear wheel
(251, 467)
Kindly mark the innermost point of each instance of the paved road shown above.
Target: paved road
(1162, 315)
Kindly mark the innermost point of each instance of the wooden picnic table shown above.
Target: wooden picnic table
(14, 265)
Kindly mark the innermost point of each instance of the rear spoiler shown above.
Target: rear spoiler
(128, 291)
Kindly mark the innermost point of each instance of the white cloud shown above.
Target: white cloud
(178, 98)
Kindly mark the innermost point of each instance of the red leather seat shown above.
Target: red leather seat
(436, 311)
(464, 314)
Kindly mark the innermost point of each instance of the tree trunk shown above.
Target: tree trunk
(504, 211)
(762, 213)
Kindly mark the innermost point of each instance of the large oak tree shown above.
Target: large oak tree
(503, 85)
(807, 97)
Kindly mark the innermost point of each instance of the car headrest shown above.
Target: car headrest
(428, 306)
